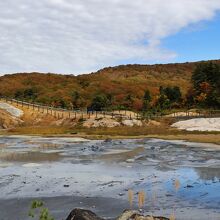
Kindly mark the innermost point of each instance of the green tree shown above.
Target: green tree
(30, 94)
(172, 93)
(163, 102)
(206, 81)
(128, 101)
(99, 102)
(75, 99)
(146, 100)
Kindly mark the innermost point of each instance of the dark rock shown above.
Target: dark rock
(94, 148)
(81, 214)
(169, 195)
(121, 194)
(108, 140)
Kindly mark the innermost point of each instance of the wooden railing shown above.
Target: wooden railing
(61, 113)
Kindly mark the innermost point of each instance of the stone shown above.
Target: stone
(132, 122)
(135, 215)
(81, 214)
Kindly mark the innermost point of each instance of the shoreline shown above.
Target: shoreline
(197, 138)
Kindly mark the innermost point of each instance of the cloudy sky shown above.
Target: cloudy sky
(80, 36)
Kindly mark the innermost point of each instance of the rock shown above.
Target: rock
(132, 123)
(81, 214)
(121, 194)
(130, 160)
(103, 122)
(108, 140)
(127, 214)
(135, 215)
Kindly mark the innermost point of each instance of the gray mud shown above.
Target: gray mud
(69, 173)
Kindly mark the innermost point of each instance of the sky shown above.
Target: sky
(81, 36)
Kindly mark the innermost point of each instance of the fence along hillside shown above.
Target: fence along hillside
(61, 113)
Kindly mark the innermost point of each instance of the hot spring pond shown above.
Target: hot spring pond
(67, 173)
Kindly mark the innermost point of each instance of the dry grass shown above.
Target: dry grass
(141, 205)
(172, 216)
(130, 197)
(39, 130)
(161, 132)
(141, 199)
(199, 138)
(177, 185)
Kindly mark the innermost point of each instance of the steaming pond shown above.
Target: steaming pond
(95, 174)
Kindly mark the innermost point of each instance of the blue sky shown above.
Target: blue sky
(199, 42)
(81, 36)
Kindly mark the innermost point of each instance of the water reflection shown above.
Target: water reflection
(207, 173)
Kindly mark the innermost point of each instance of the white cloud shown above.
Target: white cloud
(76, 36)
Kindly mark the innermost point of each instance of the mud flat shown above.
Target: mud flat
(67, 173)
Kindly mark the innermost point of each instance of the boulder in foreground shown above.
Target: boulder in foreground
(81, 214)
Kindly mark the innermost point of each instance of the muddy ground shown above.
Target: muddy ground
(67, 173)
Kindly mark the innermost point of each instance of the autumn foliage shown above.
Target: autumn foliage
(123, 87)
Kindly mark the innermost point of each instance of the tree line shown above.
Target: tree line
(204, 92)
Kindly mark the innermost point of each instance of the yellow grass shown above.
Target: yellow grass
(130, 197)
(141, 199)
(38, 130)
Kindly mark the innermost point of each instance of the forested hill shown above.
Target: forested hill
(121, 85)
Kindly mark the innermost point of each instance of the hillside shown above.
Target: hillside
(117, 83)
